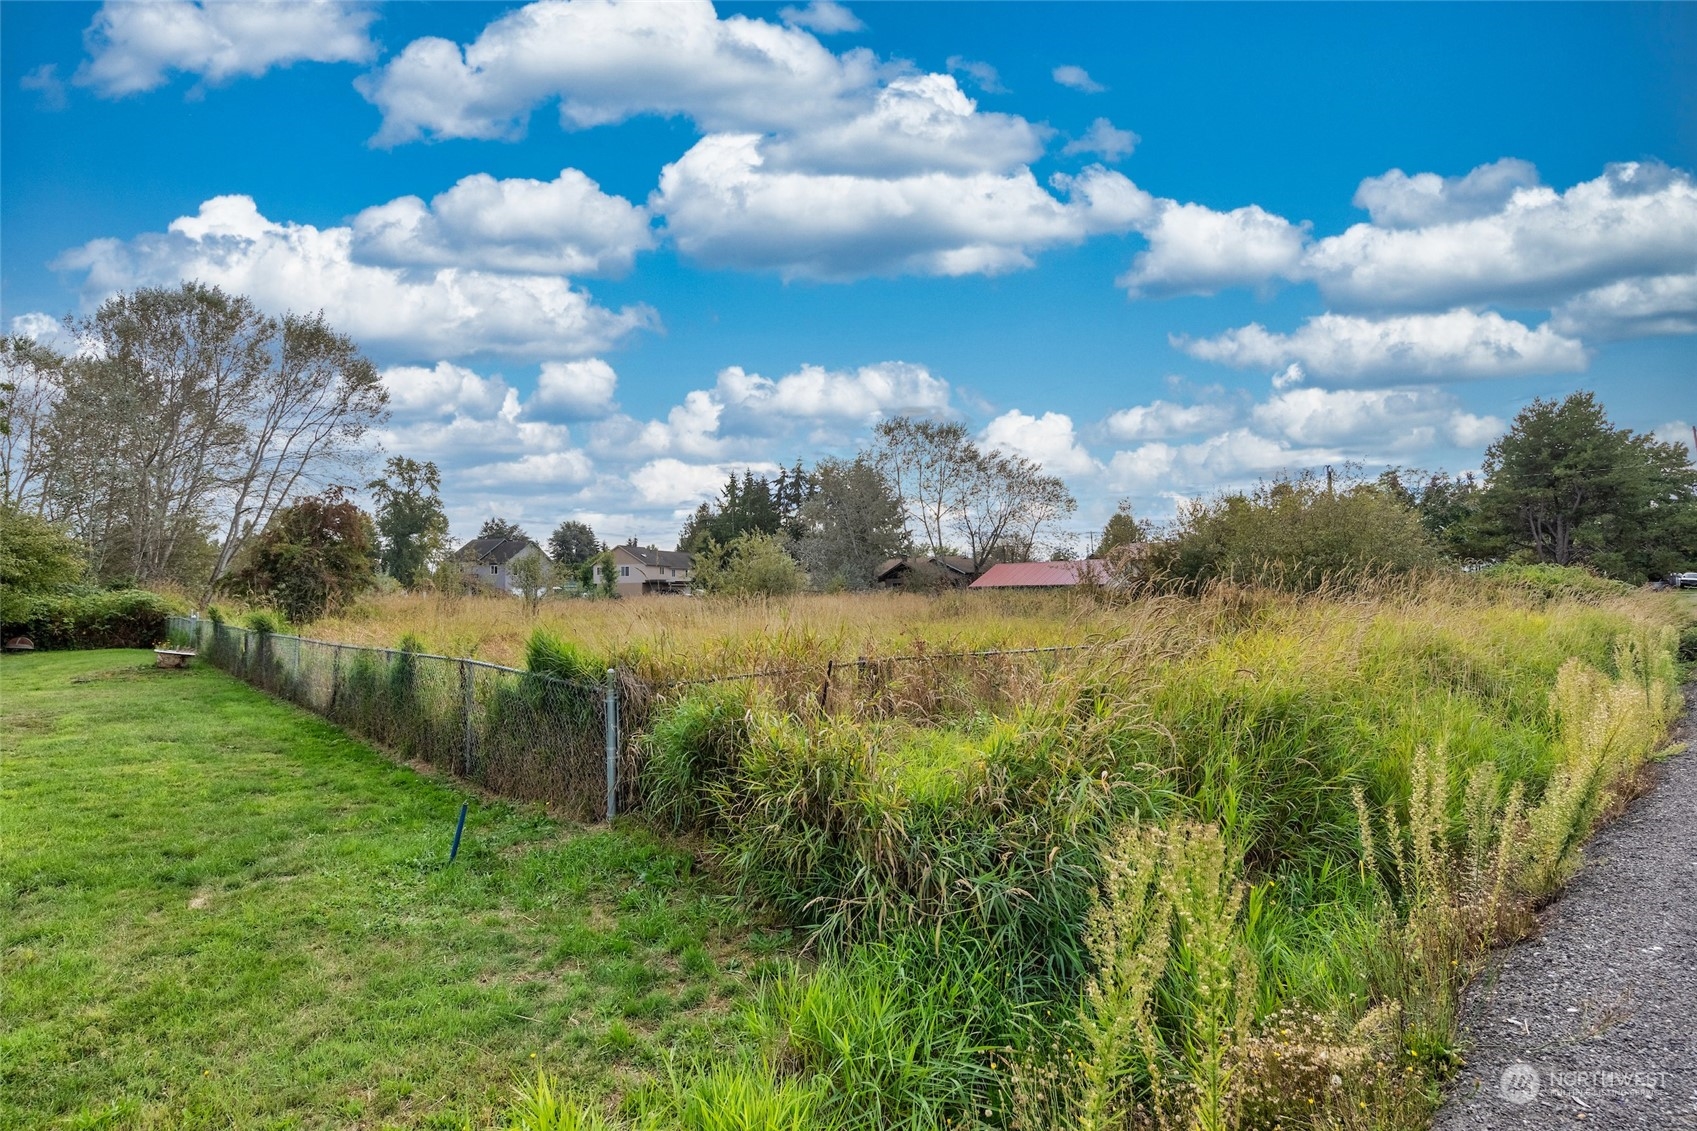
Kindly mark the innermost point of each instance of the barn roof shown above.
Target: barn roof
(1038, 575)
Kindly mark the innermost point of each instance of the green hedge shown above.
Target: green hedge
(99, 618)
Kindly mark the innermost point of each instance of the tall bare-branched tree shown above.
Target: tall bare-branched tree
(923, 460)
(306, 422)
(995, 502)
(1004, 501)
(185, 411)
(30, 387)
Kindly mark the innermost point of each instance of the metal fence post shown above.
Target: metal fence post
(335, 675)
(612, 744)
(468, 694)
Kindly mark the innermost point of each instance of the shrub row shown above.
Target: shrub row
(87, 618)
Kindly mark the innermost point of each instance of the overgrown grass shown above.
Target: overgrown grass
(1335, 804)
(220, 912)
(665, 638)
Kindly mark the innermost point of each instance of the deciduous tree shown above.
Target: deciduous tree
(996, 502)
(412, 527)
(30, 387)
(1295, 533)
(34, 553)
(753, 565)
(313, 556)
(573, 543)
(183, 412)
(533, 574)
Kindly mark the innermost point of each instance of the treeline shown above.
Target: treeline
(1564, 486)
(922, 487)
(188, 438)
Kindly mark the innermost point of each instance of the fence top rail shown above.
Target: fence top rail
(857, 662)
(393, 652)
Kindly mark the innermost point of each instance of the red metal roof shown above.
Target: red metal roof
(1010, 575)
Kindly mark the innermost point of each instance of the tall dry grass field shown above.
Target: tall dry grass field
(665, 638)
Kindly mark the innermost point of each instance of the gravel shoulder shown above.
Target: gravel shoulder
(1593, 1020)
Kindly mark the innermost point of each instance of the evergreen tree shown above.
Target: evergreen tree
(1566, 486)
(498, 527)
(746, 506)
(1122, 530)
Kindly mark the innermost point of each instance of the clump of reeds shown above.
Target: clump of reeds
(1165, 1021)
(1608, 729)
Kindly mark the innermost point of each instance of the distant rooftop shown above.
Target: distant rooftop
(1040, 575)
(664, 559)
(492, 551)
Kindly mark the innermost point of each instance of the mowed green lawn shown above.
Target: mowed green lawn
(219, 911)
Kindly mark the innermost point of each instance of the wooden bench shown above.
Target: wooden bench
(171, 658)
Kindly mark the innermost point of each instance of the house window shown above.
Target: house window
(494, 571)
(624, 571)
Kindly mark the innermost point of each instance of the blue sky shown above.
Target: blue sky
(607, 253)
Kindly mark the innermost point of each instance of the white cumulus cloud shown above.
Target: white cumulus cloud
(444, 313)
(676, 483)
(582, 388)
(605, 62)
(1632, 308)
(1048, 440)
(1227, 458)
(860, 396)
(1397, 200)
(916, 123)
(1637, 219)
(1164, 420)
(566, 226)
(726, 208)
(134, 47)
(445, 389)
(1195, 250)
(1452, 345)
(1382, 419)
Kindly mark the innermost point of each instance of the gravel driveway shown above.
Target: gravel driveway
(1594, 1021)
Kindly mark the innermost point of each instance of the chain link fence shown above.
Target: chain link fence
(520, 734)
(538, 737)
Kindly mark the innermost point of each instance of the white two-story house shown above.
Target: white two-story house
(489, 561)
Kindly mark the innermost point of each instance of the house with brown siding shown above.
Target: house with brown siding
(644, 569)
